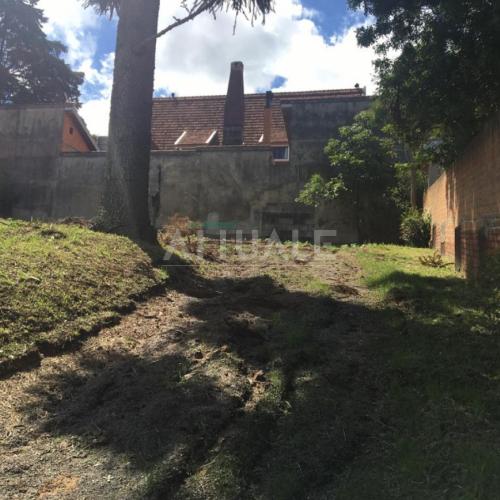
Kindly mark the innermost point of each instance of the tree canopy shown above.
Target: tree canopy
(31, 68)
(437, 67)
(363, 175)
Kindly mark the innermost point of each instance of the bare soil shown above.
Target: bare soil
(146, 408)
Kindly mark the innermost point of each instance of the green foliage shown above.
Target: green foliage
(317, 190)
(364, 155)
(401, 192)
(31, 68)
(363, 174)
(416, 229)
(439, 369)
(444, 81)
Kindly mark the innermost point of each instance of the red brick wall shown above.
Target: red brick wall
(467, 197)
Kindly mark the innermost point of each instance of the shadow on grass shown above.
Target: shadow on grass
(441, 407)
(172, 417)
(353, 399)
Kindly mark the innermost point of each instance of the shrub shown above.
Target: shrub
(416, 229)
(181, 230)
(490, 271)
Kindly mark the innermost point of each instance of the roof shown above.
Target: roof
(199, 120)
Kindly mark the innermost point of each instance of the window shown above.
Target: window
(71, 131)
(281, 153)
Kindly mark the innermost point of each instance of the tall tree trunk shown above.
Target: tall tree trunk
(126, 199)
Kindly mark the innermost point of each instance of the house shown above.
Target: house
(235, 119)
(245, 157)
(236, 161)
(75, 136)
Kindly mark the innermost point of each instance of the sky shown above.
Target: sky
(303, 45)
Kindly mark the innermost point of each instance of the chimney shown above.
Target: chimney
(234, 111)
(268, 118)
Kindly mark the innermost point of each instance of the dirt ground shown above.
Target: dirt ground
(157, 406)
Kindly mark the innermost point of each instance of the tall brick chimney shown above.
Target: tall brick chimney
(234, 111)
(268, 118)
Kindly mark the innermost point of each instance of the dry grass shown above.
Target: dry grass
(59, 280)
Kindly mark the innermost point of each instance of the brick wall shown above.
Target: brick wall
(464, 202)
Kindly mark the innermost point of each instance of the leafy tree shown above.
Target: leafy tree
(444, 80)
(363, 161)
(31, 68)
(126, 200)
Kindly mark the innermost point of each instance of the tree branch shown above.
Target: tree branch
(198, 8)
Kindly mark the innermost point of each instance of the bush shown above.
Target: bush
(416, 229)
(181, 230)
(490, 272)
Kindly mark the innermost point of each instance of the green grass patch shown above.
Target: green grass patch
(59, 280)
(440, 367)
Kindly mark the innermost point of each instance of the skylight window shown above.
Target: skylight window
(179, 140)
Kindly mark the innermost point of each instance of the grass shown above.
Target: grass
(387, 395)
(294, 437)
(59, 280)
(440, 369)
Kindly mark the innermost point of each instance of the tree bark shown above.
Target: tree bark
(126, 198)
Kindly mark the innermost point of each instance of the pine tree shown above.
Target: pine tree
(126, 200)
(31, 68)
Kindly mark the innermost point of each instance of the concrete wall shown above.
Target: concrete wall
(29, 145)
(237, 187)
(310, 124)
(464, 202)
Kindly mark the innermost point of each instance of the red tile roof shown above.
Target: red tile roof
(201, 115)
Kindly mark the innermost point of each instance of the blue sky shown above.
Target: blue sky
(304, 45)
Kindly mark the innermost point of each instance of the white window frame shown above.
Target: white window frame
(282, 160)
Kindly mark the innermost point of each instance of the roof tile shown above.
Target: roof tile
(199, 116)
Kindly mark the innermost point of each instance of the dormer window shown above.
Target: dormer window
(281, 153)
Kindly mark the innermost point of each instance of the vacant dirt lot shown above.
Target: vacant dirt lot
(192, 394)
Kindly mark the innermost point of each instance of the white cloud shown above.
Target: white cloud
(77, 28)
(194, 59)
(95, 111)
(69, 22)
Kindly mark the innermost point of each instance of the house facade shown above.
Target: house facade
(236, 161)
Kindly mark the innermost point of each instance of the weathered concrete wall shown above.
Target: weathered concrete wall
(79, 185)
(30, 132)
(311, 123)
(239, 188)
(29, 146)
(235, 187)
(464, 202)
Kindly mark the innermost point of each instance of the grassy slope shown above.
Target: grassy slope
(439, 435)
(56, 281)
